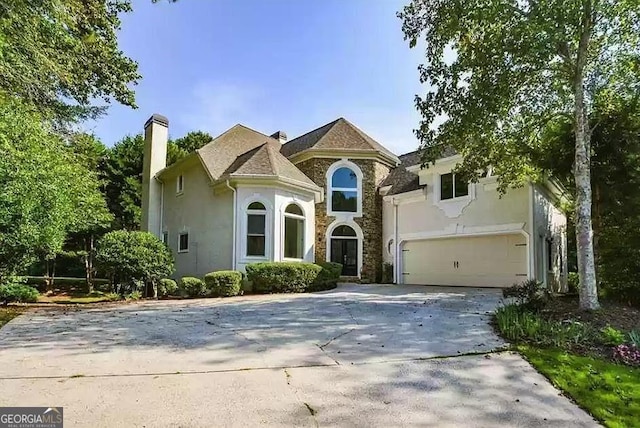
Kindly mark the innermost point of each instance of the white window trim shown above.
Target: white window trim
(453, 207)
(344, 163)
(179, 185)
(302, 217)
(243, 230)
(263, 213)
(186, 232)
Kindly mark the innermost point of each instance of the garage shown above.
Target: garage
(476, 261)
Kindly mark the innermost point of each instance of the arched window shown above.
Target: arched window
(293, 232)
(256, 226)
(344, 190)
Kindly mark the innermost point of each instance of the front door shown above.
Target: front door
(345, 252)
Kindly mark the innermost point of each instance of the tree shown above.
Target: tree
(615, 169)
(91, 216)
(183, 146)
(129, 256)
(501, 70)
(38, 184)
(123, 181)
(60, 55)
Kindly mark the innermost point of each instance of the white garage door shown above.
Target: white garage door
(483, 261)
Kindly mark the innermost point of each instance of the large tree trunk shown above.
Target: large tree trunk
(584, 231)
(88, 262)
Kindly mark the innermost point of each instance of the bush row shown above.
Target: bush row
(18, 293)
(293, 277)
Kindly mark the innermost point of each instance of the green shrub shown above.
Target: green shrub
(224, 283)
(134, 295)
(192, 287)
(283, 277)
(612, 336)
(634, 338)
(387, 273)
(130, 256)
(520, 325)
(167, 287)
(112, 297)
(18, 293)
(530, 293)
(573, 282)
(328, 277)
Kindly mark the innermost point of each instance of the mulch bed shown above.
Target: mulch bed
(615, 314)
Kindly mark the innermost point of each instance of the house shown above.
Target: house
(335, 194)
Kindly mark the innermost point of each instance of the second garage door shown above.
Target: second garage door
(483, 261)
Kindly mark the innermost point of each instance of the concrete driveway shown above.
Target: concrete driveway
(355, 356)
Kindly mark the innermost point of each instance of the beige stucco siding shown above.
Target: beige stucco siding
(207, 217)
(550, 233)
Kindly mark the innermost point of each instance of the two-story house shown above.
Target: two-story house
(336, 194)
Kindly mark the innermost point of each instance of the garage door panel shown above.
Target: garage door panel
(486, 261)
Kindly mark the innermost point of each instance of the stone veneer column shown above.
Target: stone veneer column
(371, 220)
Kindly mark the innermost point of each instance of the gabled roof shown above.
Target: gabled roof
(400, 179)
(223, 150)
(266, 161)
(337, 135)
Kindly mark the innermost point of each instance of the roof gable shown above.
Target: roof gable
(337, 135)
(218, 155)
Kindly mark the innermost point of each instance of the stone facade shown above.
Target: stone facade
(374, 173)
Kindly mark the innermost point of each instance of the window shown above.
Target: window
(452, 186)
(180, 184)
(293, 232)
(549, 243)
(183, 242)
(256, 226)
(390, 249)
(344, 190)
(165, 237)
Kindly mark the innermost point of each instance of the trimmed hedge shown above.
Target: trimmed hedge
(224, 283)
(290, 277)
(192, 287)
(167, 287)
(328, 276)
(18, 293)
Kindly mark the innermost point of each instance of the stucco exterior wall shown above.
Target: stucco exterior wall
(369, 223)
(207, 217)
(550, 230)
(275, 201)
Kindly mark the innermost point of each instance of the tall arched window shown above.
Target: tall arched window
(344, 190)
(293, 232)
(256, 226)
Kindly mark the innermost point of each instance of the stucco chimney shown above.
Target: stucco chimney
(280, 136)
(156, 135)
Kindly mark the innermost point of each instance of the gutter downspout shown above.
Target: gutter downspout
(161, 231)
(396, 244)
(233, 242)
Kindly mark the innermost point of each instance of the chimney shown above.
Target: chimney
(156, 135)
(280, 136)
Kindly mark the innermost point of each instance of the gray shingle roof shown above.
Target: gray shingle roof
(266, 160)
(223, 150)
(336, 135)
(400, 179)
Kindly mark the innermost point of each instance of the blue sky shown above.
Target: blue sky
(288, 65)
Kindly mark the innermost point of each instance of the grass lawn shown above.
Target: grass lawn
(9, 313)
(66, 297)
(610, 392)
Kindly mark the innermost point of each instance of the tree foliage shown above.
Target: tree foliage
(38, 187)
(615, 165)
(127, 256)
(500, 71)
(60, 56)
